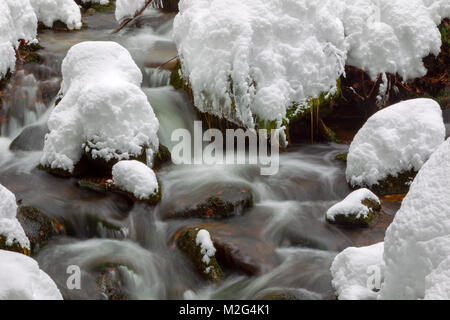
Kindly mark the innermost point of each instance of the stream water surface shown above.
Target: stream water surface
(284, 238)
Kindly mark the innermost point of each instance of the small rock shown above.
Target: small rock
(358, 209)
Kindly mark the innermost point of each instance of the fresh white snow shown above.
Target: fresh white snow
(135, 177)
(21, 279)
(49, 11)
(250, 60)
(418, 240)
(207, 248)
(17, 21)
(352, 270)
(128, 8)
(395, 139)
(352, 205)
(103, 110)
(10, 227)
(415, 263)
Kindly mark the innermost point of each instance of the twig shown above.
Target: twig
(137, 14)
(162, 65)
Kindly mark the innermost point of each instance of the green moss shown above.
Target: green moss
(186, 242)
(341, 157)
(394, 185)
(161, 157)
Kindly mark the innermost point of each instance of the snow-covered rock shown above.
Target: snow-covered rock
(128, 8)
(355, 272)
(358, 208)
(395, 140)
(251, 60)
(17, 21)
(49, 11)
(10, 229)
(21, 279)
(418, 240)
(135, 177)
(102, 2)
(103, 113)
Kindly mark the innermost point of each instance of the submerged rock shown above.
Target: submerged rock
(109, 283)
(205, 262)
(215, 203)
(287, 294)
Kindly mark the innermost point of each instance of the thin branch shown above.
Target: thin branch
(162, 65)
(137, 14)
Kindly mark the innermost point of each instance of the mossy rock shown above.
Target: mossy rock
(97, 7)
(341, 157)
(186, 242)
(394, 185)
(163, 156)
(217, 202)
(102, 184)
(15, 246)
(82, 167)
(38, 227)
(352, 220)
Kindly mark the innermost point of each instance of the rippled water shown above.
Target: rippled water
(284, 237)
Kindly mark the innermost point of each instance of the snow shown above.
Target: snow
(103, 110)
(128, 8)
(417, 243)
(352, 205)
(49, 11)
(351, 271)
(17, 21)
(135, 177)
(251, 60)
(395, 139)
(10, 227)
(207, 249)
(437, 283)
(21, 279)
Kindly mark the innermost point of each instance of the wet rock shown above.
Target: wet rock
(217, 202)
(186, 242)
(91, 11)
(31, 138)
(109, 283)
(102, 184)
(287, 294)
(38, 227)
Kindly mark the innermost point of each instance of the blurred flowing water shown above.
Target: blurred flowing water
(284, 234)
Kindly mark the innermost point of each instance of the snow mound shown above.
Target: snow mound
(135, 177)
(103, 111)
(128, 8)
(418, 240)
(21, 279)
(207, 249)
(252, 60)
(396, 139)
(10, 227)
(351, 271)
(352, 205)
(17, 21)
(248, 61)
(49, 11)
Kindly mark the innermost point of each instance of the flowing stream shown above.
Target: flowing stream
(284, 237)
